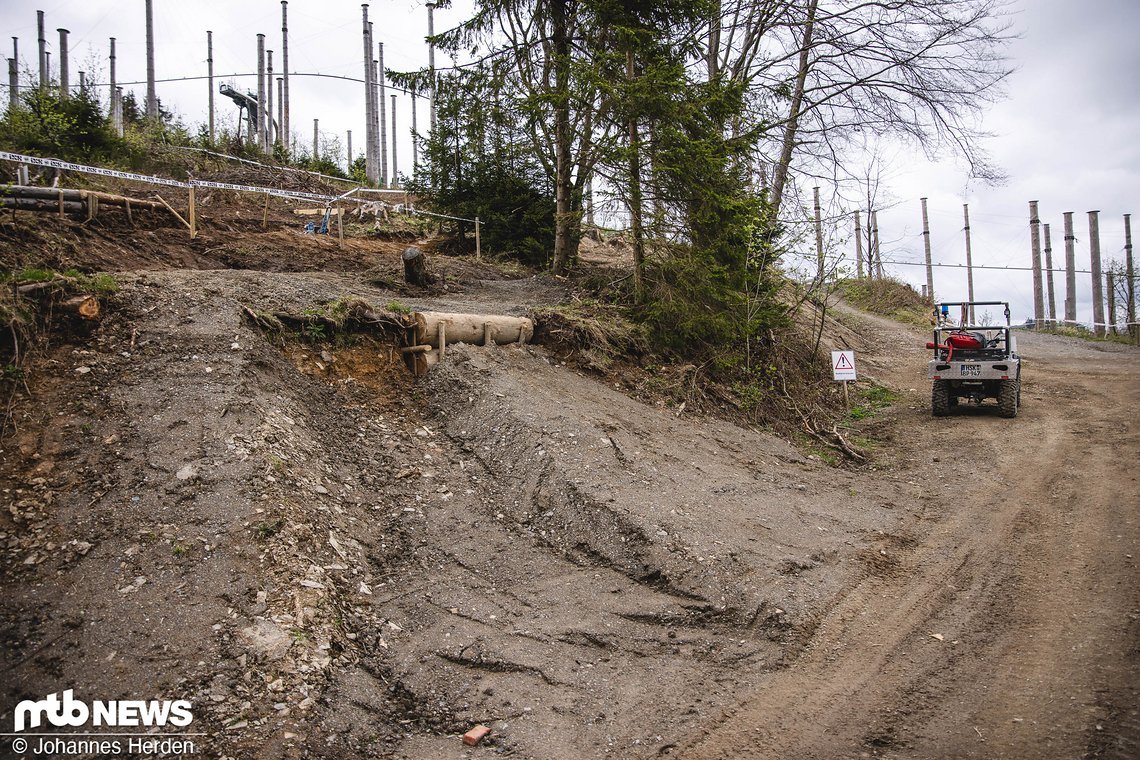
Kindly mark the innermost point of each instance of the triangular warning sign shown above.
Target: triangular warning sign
(843, 362)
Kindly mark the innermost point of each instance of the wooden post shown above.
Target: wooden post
(1111, 277)
(488, 334)
(61, 215)
(265, 212)
(1052, 301)
(1097, 275)
(846, 397)
(1070, 270)
(192, 212)
(130, 219)
(340, 225)
(478, 242)
(92, 207)
(876, 254)
(929, 267)
(1130, 273)
(1035, 244)
(442, 339)
(858, 246)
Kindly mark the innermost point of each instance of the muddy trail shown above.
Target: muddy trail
(329, 558)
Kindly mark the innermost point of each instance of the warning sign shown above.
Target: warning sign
(843, 365)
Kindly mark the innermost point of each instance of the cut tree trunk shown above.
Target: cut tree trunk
(415, 267)
(86, 307)
(471, 328)
(37, 204)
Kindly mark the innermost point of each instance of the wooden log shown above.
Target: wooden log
(86, 307)
(471, 328)
(415, 267)
(78, 196)
(44, 205)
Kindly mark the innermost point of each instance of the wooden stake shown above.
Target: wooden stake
(442, 338)
(60, 204)
(478, 242)
(487, 334)
(192, 211)
(846, 398)
(130, 219)
(171, 210)
(340, 225)
(265, 212)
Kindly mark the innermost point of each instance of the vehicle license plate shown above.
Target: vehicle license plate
(972, 370)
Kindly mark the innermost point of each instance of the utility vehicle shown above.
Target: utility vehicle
(973, 361)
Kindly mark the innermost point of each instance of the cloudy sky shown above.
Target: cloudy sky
(1066, 136)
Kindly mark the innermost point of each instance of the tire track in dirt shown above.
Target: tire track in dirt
(1026, 576)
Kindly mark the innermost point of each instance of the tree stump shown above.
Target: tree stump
(415, 267)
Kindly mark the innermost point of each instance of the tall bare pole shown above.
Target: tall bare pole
(379, 125)
(818, 237)
(316, 134)
(858, 246)
(394, 168)
(1050, 292)
(1129, 272)
(82, 83)
(431, 64)
(876, 254)
(114, 107)
(261, 91)
(64, 83)
(270, 138)
(969, 255)
(383, 137)
(13, 83)
(210, 77)
(1111, 277)
(43, 50)
(1070, 270)
(926, 248)
(1097, 275)
(1035, 245)
(369, 103)
(283, 97)
(282, 135)
(151, 93)
(349, 165)
(416, 150)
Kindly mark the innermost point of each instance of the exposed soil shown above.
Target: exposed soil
(331, 559)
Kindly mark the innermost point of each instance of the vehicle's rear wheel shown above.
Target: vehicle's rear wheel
(940, 398)
(1008, 397)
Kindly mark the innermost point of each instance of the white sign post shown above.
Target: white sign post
(843, 369)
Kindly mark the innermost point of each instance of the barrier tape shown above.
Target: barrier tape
(56, 163)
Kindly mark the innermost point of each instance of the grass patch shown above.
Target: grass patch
(887, 298)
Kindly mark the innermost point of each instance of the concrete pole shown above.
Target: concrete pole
(1051, 293)
(1129, 272)
(210, 78)
(369, 93)
(43, 50)
(283, 94)
(1035, 243)
(926, 248)
(383, 137)
(969, 256)
(83, 84)
(379, 125)
(858, 246)
(818, 237)
(1097, 275)
(1070, 270)
(261, 92)
(13, 83)
(64, 83)
(316, 134)
(282, 135)
(151, 93)
(270, 137)
(394, 169)
(349, 167)
(431, 64)
(47, 63)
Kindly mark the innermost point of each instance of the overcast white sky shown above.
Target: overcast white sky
(1067, 135)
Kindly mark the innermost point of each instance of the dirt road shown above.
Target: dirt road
(1010, 624)
(331, 560)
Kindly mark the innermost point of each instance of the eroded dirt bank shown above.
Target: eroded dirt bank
(331, 560)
